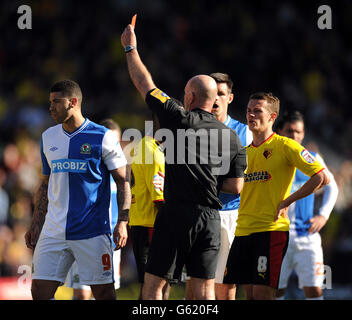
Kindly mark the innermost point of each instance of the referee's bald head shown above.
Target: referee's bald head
(200, 92)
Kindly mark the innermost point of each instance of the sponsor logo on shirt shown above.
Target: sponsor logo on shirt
(307, 156)
(257, 176)
(69, 165)
(53, 149)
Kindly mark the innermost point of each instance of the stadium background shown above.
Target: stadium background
(264, 45)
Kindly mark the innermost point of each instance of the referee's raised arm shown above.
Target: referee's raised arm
(139, 74)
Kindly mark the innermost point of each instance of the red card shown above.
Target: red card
(133, 21)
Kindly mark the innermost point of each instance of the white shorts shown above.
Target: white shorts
(53, 258)
(305, 256)
(228, 228)
(73, 278)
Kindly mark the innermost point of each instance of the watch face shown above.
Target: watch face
(129, 48)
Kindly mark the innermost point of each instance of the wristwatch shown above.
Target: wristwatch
(129, 48)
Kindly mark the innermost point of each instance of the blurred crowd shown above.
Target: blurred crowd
(264, 46)
(19, 174)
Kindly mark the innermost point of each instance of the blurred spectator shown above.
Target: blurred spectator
(344, 182)
(6, 238)
(4, 198)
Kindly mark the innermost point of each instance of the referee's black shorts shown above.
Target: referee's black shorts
(185, 234)
(141, 239)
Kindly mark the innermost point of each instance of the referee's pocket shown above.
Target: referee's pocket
(214, 229)
(214, 215)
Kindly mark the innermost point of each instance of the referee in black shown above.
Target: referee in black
(187, 229)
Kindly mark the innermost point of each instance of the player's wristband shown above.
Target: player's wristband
(129, 48)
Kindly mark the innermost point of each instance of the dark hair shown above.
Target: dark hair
(68, 88)
(222, 78)
(110, 124)
(273, 102)
(289, 117)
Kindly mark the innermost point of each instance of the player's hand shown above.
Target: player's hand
(128, 37)
(317, 223)
(282, 210)
(120, 234)
(31, 237)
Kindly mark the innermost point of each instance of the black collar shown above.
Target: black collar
(202, 111)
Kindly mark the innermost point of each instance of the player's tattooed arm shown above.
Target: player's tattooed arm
(40, 210)
(41, 202)
(122, 180)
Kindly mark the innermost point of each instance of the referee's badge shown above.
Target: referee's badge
(158, 94)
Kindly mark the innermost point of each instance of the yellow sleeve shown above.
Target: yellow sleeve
(152, 176)
(301, 158)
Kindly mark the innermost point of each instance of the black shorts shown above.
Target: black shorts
(185, 235)
(256, 258)
(141, 240)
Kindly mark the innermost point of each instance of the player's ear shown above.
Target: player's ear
(231, 96)
(273, 116)
(74, 102)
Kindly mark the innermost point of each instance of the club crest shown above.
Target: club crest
(267, 153)
(86, 148)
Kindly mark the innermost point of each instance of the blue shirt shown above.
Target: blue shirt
(230, 201)
(79, 194)
(302, 210)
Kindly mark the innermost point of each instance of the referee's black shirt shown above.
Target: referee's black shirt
(196, 147)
